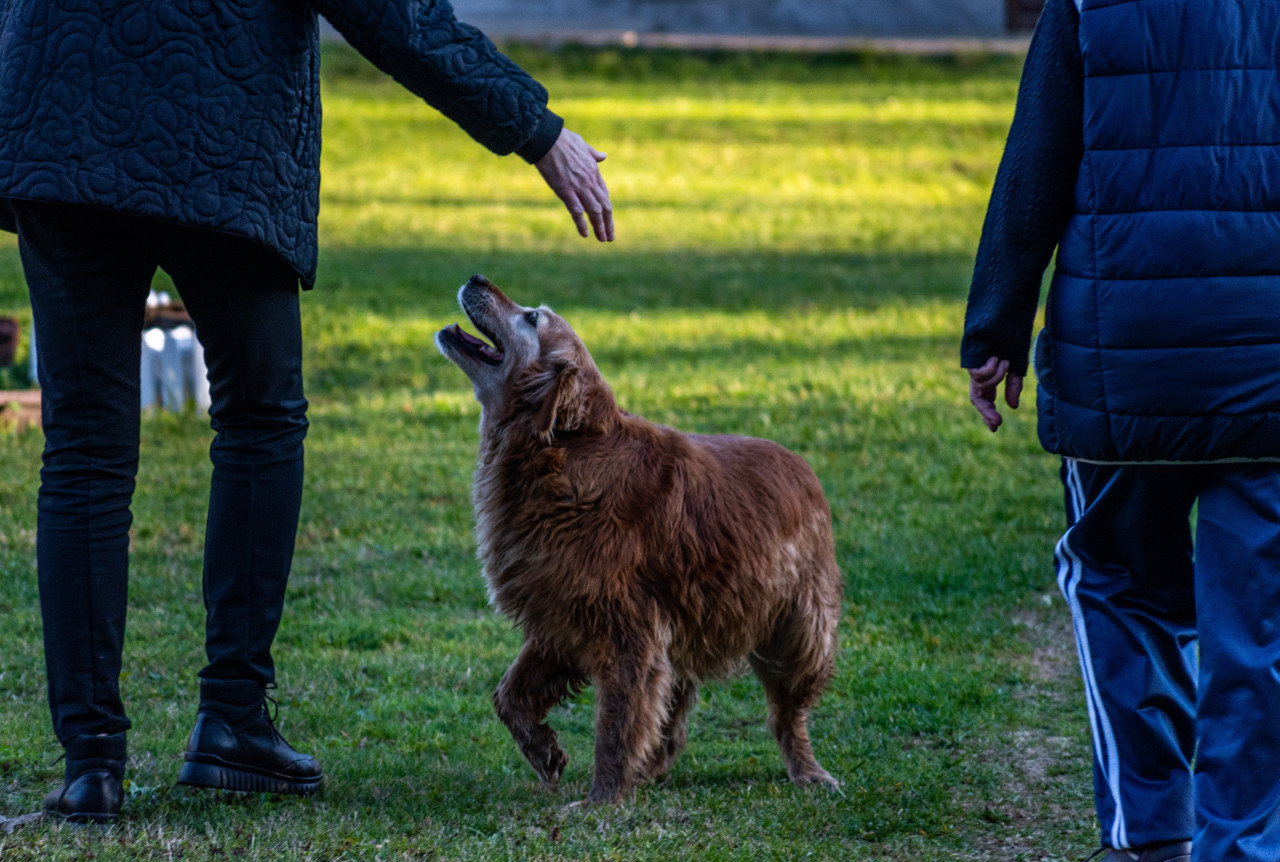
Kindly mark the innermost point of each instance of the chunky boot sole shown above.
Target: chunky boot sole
(82, 818)
(228, 777)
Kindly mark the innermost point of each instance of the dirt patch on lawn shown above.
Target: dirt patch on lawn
(1044, 798)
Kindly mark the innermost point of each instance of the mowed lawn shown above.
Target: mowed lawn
(795, 238)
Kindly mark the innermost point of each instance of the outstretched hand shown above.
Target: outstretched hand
(983, 385)
(571, 169)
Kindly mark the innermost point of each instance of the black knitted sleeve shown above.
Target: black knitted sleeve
(1032, 197)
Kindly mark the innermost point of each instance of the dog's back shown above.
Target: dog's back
(718, 537)
(736, 538)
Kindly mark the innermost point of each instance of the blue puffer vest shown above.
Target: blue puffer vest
(1162, 336)
(207, 112)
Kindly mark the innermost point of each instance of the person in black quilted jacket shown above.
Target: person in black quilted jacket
(186, 136)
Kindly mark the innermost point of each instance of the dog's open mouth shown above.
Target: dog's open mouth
(474, 347)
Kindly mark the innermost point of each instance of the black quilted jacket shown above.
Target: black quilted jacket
(207, 112)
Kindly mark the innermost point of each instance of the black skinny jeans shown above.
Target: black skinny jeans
(89, 273)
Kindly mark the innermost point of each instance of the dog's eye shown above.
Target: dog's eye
(531, 318)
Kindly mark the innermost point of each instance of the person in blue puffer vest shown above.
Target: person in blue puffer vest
(185, 136)
(1145, 148)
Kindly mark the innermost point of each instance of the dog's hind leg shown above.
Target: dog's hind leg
(675, 730)
(536, 682)
(795, 666)
(633, 692)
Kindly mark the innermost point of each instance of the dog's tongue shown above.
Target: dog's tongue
(478, 344)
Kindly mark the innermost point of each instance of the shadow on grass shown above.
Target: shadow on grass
(425, 280)
(402, 285)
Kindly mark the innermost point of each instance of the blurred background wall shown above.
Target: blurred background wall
(819, 19)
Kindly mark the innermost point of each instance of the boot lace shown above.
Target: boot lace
(272, 711)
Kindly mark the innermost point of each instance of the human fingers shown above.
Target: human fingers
(602, 219)
(594, 194)
(984, 402)
(578, 211)
(983, 385)
(1013, 390)
(991, 372)
(590, 207)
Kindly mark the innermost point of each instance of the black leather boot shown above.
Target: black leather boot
(235, 745)
(93, 786)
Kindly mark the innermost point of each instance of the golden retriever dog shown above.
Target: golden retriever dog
(634, 557)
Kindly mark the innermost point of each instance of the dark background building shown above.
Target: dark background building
(793, 19)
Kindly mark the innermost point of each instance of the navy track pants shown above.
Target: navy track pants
(1179, 643)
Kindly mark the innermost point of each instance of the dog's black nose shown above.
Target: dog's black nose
(479, 280)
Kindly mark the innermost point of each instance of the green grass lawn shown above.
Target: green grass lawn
(795, 237)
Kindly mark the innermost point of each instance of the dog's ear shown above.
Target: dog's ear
(555, 396)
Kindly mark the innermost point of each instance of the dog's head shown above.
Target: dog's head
(535, 372)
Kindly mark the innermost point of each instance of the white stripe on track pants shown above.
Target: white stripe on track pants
(1144, 605)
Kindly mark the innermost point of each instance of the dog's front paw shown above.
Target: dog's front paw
(816, 777)
(551, 766)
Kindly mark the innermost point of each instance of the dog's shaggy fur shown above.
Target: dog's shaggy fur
(635, 557)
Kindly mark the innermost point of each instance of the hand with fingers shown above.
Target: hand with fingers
(571, 169)
(984, 382)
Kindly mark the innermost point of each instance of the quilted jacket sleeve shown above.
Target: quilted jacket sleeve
(453, 67)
